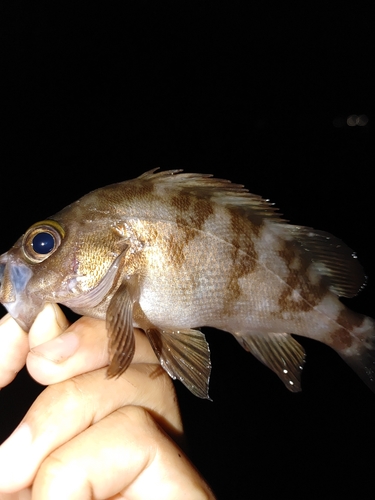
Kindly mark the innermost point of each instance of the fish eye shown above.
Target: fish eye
(43, 243)
(41, 240)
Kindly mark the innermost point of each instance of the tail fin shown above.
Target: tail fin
(360, 355)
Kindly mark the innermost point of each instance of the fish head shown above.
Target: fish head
(71, 259)
(21, 268)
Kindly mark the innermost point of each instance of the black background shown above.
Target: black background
(256, 92)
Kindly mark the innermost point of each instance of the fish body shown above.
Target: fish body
(170, 252)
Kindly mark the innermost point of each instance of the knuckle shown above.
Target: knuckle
(58, 474)
(69, 394)
(137, 415)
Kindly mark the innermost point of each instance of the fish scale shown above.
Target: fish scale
(171, 252)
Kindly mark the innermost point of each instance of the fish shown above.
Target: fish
(171, 252)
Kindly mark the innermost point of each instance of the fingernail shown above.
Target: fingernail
(60, 317)
(47, 325)
(51, 313)
(15, 455)
(58, 349)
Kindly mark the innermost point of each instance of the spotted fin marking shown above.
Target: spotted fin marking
(281, 353)
(185, 355)
(119, 323)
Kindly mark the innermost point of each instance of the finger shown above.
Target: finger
(139, 461)
(14, 346)
(14, 342)
(49, 323)
(81, 348)
(19, 495)
(64, 410)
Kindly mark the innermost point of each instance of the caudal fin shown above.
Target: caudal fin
(360, 355)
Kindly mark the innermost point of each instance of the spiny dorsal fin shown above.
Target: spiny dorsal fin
(221, 191)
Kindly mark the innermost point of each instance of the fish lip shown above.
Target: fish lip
(14, 278)
(20, 276)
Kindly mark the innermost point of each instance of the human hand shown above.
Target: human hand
(87, 436)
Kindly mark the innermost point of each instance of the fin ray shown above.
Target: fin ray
(185, 355)
(119, 322)
(331, 258)
(281, 353)
(221, 191)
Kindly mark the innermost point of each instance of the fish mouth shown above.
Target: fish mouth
(14, 277)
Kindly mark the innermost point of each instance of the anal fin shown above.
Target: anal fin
(281, 353)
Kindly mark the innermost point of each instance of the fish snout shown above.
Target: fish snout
(14, 277)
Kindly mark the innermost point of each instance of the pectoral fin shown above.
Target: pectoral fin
(184, 354)
(281, 353)
(119, 322)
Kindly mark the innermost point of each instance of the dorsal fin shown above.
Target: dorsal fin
(221, 191)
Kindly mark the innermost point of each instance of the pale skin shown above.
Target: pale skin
(86, 436)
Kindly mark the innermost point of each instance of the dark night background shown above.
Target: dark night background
(251, 91)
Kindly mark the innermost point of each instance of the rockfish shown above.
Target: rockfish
(171, 252)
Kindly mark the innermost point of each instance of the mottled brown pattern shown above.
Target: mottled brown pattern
(189, 225)
(196, 214)
(182, 221)
(243, 258)
(181, 202)
(93, 262)
(242, 264)
(341, 339)
(116, 195)
(239, 215)
(185, 232)
(310, 294)
(141, 190)
(349, 320)
(175, 250)
(241, 233)
(202, 209)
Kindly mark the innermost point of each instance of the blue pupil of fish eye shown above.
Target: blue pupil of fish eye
(43, 243)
